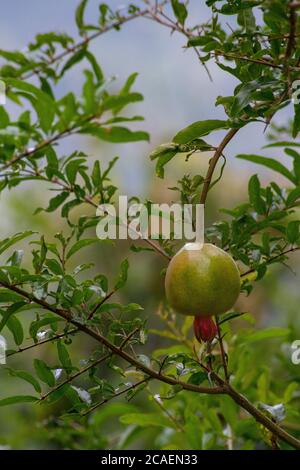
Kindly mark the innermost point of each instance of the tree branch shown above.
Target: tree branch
(89, 200)
(109, 345)
(84, 42)
(45, 143)
(107, 297)
(231, 56)
(291, 38)
(160, 17)
(244, 403)
(213, 162)
(273, 258)
(118, 394)
(222, 388)
(40, 343)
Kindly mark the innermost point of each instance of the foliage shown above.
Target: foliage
(195, 392)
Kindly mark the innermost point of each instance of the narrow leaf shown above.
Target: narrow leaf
(269, 163)
(198, 129)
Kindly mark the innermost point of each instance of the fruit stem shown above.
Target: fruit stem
(223, 354)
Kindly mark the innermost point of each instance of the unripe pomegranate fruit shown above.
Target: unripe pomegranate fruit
(202, 280)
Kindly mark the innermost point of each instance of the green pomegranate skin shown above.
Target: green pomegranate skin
(202, 282)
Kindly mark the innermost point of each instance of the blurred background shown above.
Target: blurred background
(177, 91)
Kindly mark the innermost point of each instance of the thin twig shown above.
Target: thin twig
(128, 338)
(213, 162)
(108, 296)
(271, 259)
(248, 59)
(118, 394)
(89, 200)
(84, 42)
(161, 18)
(291, 38)
(172, 418)
(40, 343)
(75, 376)
(223, 354)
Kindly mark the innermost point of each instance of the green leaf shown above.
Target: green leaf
(96, 174)
(169, 351)
(7, 295)
(180, 11)
(198, 41)
(81, 244)
(113, 409)
(247, 91)
(232, 8)
(41, 101)
(296, 122)
(96, 67)
(255, 198)
(268, 333)
(293, 196)
(197, 378)
(64, 356)
(198, 129)
(54, 266)
(74, 59)
(16, 328)
(269, 163)
(129, 83)
(47, 320)
(293, 231)
(194, 432)
(146, 420)
(7, 242)
(4, 118)
(122, 278)
(44, 373)
(109, 167)
(14, 56)
(163, 334)
(164, 149)
(115, 134)
(24, 375)
(79, 14)
(73, 167)
(18, 399)
(120, 101)
(282, 143)
(10, 311)
(246, 19)
(230, 316)
(56, 201)
(16, 258)
(162, 161)
(289, 392)
(52, 162)
(126, 89)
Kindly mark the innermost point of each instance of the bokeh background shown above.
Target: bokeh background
(177, 91)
